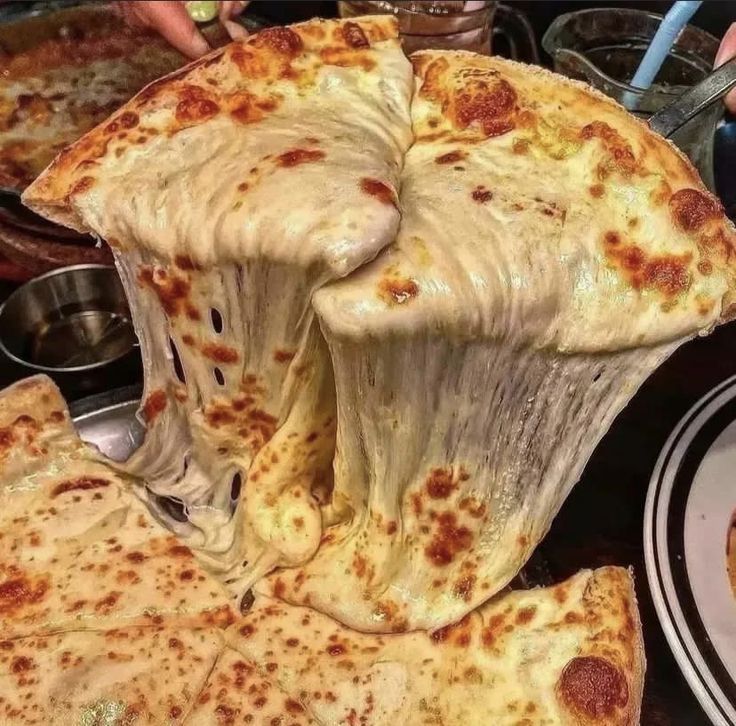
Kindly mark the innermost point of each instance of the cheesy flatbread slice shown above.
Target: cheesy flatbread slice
(116, 678)
(552, 252)
(230, 191)
(569, 654)
(77, 549)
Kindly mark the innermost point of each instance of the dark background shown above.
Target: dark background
(714, 16)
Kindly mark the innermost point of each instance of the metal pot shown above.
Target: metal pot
(74, 324)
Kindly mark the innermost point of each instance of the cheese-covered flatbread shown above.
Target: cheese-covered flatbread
(119, 677)
(552, 252)
(54, 90)
(569, 654)
(231, 190)
(78, 551)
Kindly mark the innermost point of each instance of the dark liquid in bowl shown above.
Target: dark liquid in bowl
(79, 338)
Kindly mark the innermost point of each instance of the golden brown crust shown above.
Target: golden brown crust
(235, 81)
(605, 682)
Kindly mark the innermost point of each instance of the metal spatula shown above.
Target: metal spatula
(713, 87)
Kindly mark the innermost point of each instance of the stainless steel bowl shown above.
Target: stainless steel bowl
(71, 320)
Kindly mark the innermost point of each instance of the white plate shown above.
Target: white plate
(691, 500)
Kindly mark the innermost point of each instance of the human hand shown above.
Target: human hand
(726, 52)
(172, 21)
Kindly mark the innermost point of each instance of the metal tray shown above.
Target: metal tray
(108, 421)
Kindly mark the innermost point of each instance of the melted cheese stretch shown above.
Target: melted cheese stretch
(255, 374)
(552, 251)
(452, 460)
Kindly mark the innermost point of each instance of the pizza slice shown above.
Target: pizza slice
(568, 654)
(230, 191)
(132, 675)
(552, 252)
(77, 549)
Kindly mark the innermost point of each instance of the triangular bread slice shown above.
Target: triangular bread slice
(78, 550)
(568, 654)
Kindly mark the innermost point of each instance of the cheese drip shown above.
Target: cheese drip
(233, 367)
(230, 192)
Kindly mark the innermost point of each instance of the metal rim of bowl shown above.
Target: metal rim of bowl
(51, 369)
(620, 85)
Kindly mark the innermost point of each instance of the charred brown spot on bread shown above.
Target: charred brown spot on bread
(83, 483)
(245, 108)
(354, 36)
(440, 483)
(463, 588)
(481, 195)
(220, 353)
(488, 102)
(107, 603)
(21, 591)
(195, 105)
(22, 664)
(593, 687)
(483, 98)
(348, 58)
(296, 157)
(283, 356)
(449, 539)
(667, 274)
(451, 157)
(128, 120)
(497, 625)
(293, 707)
(457, 634)
(282, 40)
(82, 185)
(620, 156)
(692, 209)
(378, 189)
(597, 190)
(472, 506)
(154, 405)
(394, 290)
(185, 262)
(525, 615)
(171, 290)
(178, 550)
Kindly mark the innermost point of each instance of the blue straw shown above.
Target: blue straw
(675, 20)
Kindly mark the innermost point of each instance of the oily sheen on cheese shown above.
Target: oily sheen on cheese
(275, 168)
